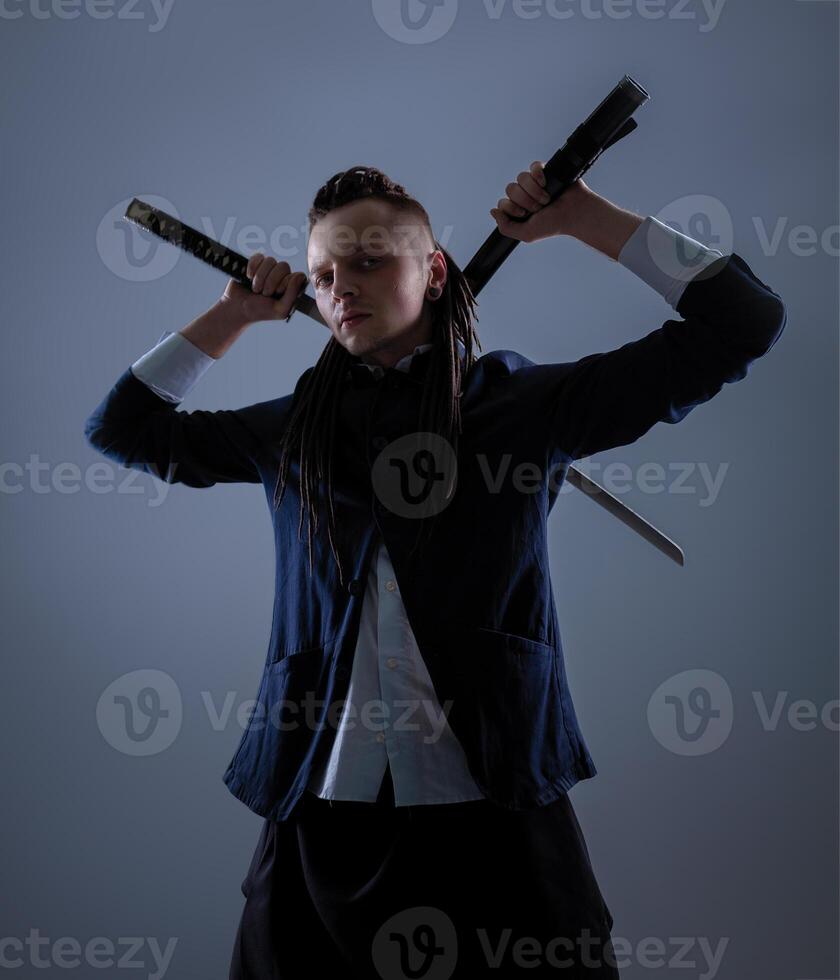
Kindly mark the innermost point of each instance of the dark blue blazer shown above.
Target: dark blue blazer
(479, 596)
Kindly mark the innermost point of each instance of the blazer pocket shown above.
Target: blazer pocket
(512, 642)
(304, 655)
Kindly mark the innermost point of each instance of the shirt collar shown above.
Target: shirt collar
(404, 364)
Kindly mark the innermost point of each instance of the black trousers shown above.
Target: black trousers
(377, 892)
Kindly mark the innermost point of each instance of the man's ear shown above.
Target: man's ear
(439, 270)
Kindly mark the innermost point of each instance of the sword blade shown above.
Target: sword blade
(625, 514)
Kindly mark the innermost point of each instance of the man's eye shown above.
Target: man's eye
(369, 258)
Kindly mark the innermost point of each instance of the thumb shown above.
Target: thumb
(512, 229)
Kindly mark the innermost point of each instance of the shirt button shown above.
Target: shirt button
(390, 585)
(391, 661)
(354, 586)
(380, 737)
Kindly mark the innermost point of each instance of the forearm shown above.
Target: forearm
(176, 363)
(216, 330)
(599, 223)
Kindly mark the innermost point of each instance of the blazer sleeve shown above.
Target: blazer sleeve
(612, 398)
(137, 428)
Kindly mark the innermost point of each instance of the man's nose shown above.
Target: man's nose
(343, 286)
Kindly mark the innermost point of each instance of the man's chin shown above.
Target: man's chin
(359, 343)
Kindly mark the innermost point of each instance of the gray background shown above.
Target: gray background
(240, 112)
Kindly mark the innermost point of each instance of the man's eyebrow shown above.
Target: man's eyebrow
(316, 266)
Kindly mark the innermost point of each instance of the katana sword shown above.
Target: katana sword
(175, 232)
(609, 123)
(625, 514)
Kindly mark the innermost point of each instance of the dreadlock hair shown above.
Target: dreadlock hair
(312, 421)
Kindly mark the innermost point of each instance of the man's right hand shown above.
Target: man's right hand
(268, 276)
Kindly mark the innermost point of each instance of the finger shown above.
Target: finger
(508, 227)
(508, 207)
(262, 264)
(520, 195)
(274, 278)
(253, 264)
(538, 172)
(531, 187)
(503, 219)
(295, 285)
(286, 306)
(292, 286)
(267, 265)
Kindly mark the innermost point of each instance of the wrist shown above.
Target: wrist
(599, 223)
(230, 312)
(216, 330)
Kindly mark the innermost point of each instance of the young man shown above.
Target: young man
(437, 833)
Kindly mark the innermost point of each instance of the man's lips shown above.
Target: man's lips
(355, 320)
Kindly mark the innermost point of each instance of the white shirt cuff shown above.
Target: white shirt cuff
(664, 258)
(172, 367)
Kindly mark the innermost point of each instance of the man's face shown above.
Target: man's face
(370, 257)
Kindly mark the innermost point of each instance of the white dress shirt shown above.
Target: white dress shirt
(391, 714)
